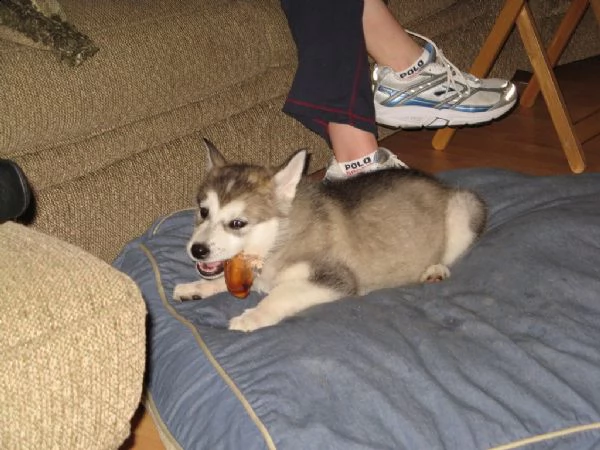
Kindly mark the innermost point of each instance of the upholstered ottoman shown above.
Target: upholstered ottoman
(72, 345)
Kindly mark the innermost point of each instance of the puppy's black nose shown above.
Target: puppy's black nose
(199, 251)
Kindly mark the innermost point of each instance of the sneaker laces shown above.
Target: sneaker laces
(453, 73)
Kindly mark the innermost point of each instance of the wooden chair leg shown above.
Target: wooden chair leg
(550, 91)
(487, 55)
(560, 40)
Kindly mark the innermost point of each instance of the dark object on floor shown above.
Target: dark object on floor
(15, 195)
(51, 31)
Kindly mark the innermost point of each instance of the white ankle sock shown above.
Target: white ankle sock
(357, 165)
(416, 66)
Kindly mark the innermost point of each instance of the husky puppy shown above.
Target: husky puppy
(322, 242)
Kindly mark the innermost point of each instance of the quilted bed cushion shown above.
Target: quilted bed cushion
(505, 354)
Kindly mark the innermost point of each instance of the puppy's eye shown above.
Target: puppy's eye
(237, 224)
(203, 212)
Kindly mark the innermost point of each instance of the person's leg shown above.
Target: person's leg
(390, 45)
(333, 80)
(332, 92)
(349, 143)
(387, 41)
(416, 87)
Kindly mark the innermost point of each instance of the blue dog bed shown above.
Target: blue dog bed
(503, 355)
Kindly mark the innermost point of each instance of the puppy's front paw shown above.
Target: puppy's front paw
(251, 320)
(187, 291)
(198, 290)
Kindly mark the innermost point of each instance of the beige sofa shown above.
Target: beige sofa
(112, 144)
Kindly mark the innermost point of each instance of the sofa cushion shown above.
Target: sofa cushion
(72, 340)
(154, 58)
(100, 212)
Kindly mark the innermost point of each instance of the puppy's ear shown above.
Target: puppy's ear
(213, 156)
(288, 176)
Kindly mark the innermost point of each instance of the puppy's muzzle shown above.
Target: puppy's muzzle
(208, 270)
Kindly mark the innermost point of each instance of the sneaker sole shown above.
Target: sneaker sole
(415, 117)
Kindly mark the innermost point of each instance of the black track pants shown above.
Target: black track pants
(333, 80)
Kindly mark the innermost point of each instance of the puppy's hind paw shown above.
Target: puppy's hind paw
(435, 273)
(251, 320)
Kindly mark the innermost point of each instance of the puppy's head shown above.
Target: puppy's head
(239, 209)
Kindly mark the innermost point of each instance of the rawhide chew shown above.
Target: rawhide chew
(239, 275)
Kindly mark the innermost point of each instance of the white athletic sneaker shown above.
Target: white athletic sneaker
(434, 94)
(381, 160)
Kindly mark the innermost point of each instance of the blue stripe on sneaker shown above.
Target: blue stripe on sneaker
(420, 102)
(471, 109)
(423, 102)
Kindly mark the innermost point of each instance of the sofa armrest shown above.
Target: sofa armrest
(72, 339)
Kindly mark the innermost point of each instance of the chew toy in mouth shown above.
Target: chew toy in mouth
(210, 270)
(239, 274)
